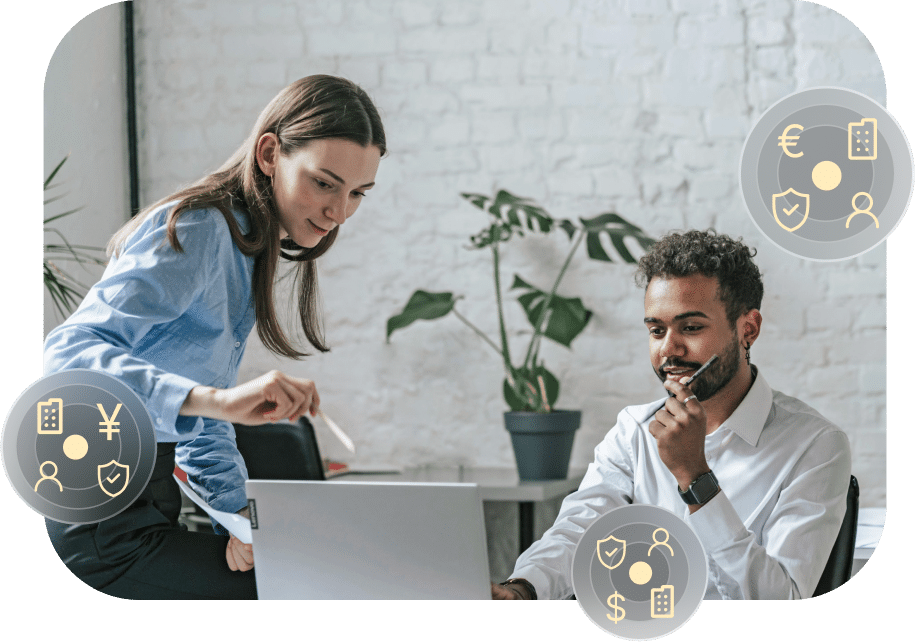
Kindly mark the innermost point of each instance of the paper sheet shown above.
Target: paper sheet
(239, 526)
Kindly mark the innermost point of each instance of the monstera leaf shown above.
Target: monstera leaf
(512, 214)
(617, 228)
(530, 386)
(568, 317)
(526, 394)
(422, 305)
(492, 235)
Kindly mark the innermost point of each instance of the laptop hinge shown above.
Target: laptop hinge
(252, 512)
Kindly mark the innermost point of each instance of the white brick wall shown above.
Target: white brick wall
(587, 106)
(85, 121)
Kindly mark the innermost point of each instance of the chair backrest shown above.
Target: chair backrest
(280, 451)
(838, 566)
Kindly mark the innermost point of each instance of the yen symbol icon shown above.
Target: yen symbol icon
(109, 423)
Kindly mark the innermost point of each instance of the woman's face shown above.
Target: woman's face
(318, 186)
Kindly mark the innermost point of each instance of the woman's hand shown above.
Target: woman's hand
(270, 397)
(239, 556)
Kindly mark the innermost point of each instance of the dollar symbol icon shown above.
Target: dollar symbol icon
(617, 609)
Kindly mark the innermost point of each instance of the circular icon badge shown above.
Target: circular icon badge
(639, 572)
(79, 446)
(826, 173)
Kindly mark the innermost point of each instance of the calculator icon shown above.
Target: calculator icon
(862, 140)
(662, 601)
(51, 417)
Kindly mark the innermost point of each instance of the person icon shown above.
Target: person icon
(52, 477)
(654, 537)
(866, 210)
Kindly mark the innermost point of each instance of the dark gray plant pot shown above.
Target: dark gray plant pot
(542, 442)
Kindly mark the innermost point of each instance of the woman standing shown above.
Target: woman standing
(188, 279)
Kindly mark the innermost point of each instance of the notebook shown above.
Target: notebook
(368, 540)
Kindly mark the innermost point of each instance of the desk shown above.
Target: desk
(870, 529)
(496, 485)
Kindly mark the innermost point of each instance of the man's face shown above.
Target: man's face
(687, 324)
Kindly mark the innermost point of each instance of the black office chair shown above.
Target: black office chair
(270, 451)
(280, 451)
(838, 566)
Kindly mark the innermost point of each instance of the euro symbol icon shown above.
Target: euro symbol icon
(608, 549)
(785, 141)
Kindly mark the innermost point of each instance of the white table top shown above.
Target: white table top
(870, 528)
(496, 484)
(502, 484)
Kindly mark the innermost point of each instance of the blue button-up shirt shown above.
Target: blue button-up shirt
(163, 322)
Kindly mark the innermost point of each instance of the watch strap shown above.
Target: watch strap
(523, 582)
(702, 489)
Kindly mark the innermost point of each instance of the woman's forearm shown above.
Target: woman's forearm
(270, 397)
(203, 401)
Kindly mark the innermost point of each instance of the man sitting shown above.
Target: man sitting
(772, 472)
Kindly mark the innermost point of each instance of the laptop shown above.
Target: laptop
(339, 540)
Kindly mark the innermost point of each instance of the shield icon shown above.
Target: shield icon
(113, 478)
(608, 550)
(788, 210)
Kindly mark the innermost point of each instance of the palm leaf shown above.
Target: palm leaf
(62, 214)
(62, 295)
(65, 291)
(47, 181)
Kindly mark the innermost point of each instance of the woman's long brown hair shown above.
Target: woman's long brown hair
(313, 107)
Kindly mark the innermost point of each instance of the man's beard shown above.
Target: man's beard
(718, 375)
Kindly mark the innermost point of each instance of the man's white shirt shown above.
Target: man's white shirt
(784, 472)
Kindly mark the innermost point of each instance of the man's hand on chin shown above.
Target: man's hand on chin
(679, 428)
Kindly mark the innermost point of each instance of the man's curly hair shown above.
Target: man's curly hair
(714, 255)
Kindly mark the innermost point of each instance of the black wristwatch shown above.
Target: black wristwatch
(532, 592)
(703, 488)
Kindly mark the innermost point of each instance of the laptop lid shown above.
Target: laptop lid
(368, 540)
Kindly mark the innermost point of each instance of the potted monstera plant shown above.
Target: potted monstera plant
(542, 435)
